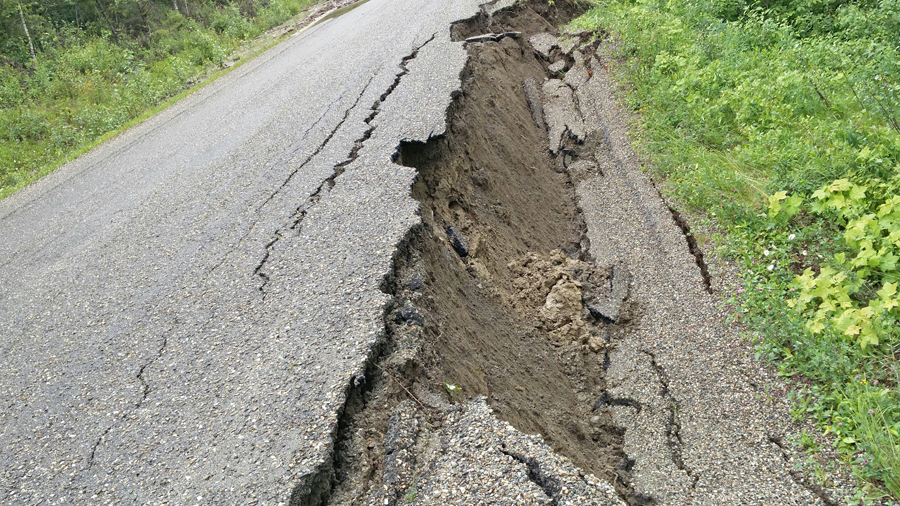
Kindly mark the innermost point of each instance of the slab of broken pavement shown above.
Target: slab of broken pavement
(407, 256)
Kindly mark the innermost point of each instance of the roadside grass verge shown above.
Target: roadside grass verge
(85, 88)
(779, 122)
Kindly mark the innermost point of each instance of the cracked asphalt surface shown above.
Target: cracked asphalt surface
(183, 308)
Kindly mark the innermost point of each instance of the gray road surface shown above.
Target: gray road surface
(182, 309)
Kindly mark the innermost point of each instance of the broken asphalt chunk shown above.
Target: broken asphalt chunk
(458, 242)
(607, 305)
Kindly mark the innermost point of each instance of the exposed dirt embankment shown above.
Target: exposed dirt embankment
(502, 248)
(552, 330)
(496, 294)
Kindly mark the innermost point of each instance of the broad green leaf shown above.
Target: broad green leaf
(889, 262)
(894, 237)
(868, 336)
(858, 193)
(775, 203)
(887, 291)
(841, 185)
(837, 201)
(779, 196)
(792, 205)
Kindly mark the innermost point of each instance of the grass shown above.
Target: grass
(738, 102)
(80, 93)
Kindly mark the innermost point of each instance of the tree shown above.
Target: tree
(28, 35)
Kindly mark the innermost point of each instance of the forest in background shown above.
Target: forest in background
(72, 71)
(777, 122)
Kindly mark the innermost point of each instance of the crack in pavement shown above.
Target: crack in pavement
(322, 145)
(328, 183)
(693, 246)
(140, 374)
(145, 392)
(258, 270)
(797, 476)
(547, 482)
(96, 445)
(291, 175)
(620, 401)
(673, 426)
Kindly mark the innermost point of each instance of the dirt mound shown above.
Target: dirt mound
(555, 289)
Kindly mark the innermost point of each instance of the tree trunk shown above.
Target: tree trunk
(28, 35)
(175, 6)
(112, 29)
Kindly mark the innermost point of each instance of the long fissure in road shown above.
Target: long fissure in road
(495, 294)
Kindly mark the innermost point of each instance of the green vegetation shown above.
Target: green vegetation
(780, 122)
(74, 70)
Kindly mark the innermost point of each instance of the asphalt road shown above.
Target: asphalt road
(182, 309)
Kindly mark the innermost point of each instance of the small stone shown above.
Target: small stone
(596, 343)
(480, 178)
(558, 66)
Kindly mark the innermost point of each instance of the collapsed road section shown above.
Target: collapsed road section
(551, 338)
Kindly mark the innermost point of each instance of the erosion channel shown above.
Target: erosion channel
(496, 295)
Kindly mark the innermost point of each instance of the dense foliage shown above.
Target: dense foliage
(780, 120)
(97, 64)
